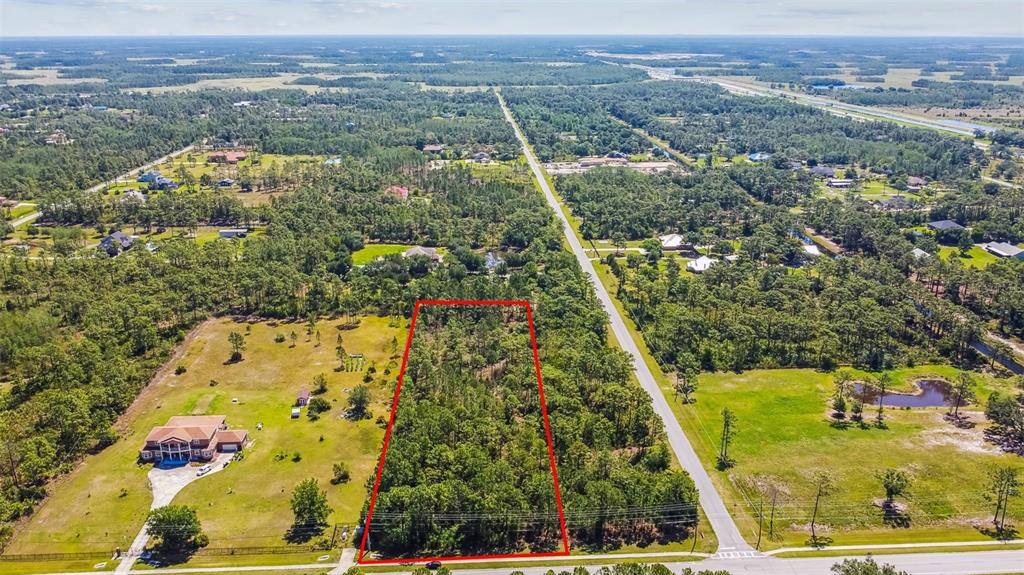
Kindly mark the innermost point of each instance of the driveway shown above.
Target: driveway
(165, 483)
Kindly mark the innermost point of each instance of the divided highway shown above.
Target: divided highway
(729, 538)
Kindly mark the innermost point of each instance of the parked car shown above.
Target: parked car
(433, 565)
(203, 470)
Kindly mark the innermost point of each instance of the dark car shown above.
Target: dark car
(433, 565)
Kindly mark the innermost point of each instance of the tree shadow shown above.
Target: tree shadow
(1007, 533)
(303, 533)
(893, 516)
(819, 541)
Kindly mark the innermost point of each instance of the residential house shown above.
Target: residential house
(226, 157)
(226, 183)
(191, 438)
(674, 242)
(303, 398)
(58, 138)
(133, 196)
(839, 183)
(399, 191)
(823, 171)
(700, 264)
(492, 261)
(482, 158)
(945, 226)
(919, 254)
(915, 183)
(895, 204)
(1004, 250)
(148, 177)
(433, 149)
(232, 233)
(431, 253)
(759, 156)
(116, 243)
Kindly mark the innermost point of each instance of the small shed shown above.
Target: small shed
(303, 398)
(296, 412)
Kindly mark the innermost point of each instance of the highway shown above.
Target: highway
(729, 538)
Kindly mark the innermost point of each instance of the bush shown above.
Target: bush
(341, 474)
(180, 369)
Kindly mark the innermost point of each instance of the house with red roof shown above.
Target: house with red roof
(192, 438)
(226, 157)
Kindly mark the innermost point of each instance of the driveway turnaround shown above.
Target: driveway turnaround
(165, 484)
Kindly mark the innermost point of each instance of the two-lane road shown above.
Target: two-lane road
(729, 538)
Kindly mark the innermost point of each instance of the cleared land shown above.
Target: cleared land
(103, 503)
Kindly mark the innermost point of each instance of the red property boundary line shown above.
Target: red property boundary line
(387, 437)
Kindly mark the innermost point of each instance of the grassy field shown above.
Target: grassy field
(783, 418)
(102, 504)
(976, 257)
(371, 252)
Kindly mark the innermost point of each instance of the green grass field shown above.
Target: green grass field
(371, 252)
(246, 504)
(976, 257)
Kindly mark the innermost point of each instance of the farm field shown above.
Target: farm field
(102, 504)
(277, 82)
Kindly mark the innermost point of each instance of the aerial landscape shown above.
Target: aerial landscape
(354, 287)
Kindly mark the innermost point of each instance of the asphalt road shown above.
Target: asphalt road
(729, 538)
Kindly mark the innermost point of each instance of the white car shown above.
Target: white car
(204, 470)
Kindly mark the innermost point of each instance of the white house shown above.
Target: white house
(700, 264)
(1004, 250)
(671, 241)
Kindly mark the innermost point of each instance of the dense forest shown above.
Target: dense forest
(470, 392)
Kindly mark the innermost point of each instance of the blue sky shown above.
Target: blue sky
(290, 17)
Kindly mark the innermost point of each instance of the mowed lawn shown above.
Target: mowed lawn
(783, 430)
(371, 252)
(976, 257)
(103, 503)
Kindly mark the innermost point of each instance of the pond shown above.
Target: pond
(933, 393)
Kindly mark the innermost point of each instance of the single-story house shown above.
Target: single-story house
(839, 183)
(759, 156)
(823, 171)
(896, 203)
(133, 195)
(1004, 250)
(482, 158)
(226, 183)
(231, 233)
(918, 253)
(163, 183)
(431, 253)
(493, 260)
(811, 250)
(700, 264)
(914, 182)
(303, 398)
(116, 243)
(399, 191)
(148, 177)
(945, 226)
(433, 148)
(674, 242)
(226, 157)
(192, 438)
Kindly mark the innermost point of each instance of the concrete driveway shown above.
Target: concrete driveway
(165, 483)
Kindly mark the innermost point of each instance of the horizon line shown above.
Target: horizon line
(4, 36)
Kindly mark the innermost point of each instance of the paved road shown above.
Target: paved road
(25, 219)
(140, 169)
(729, 538)
(965, 563)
